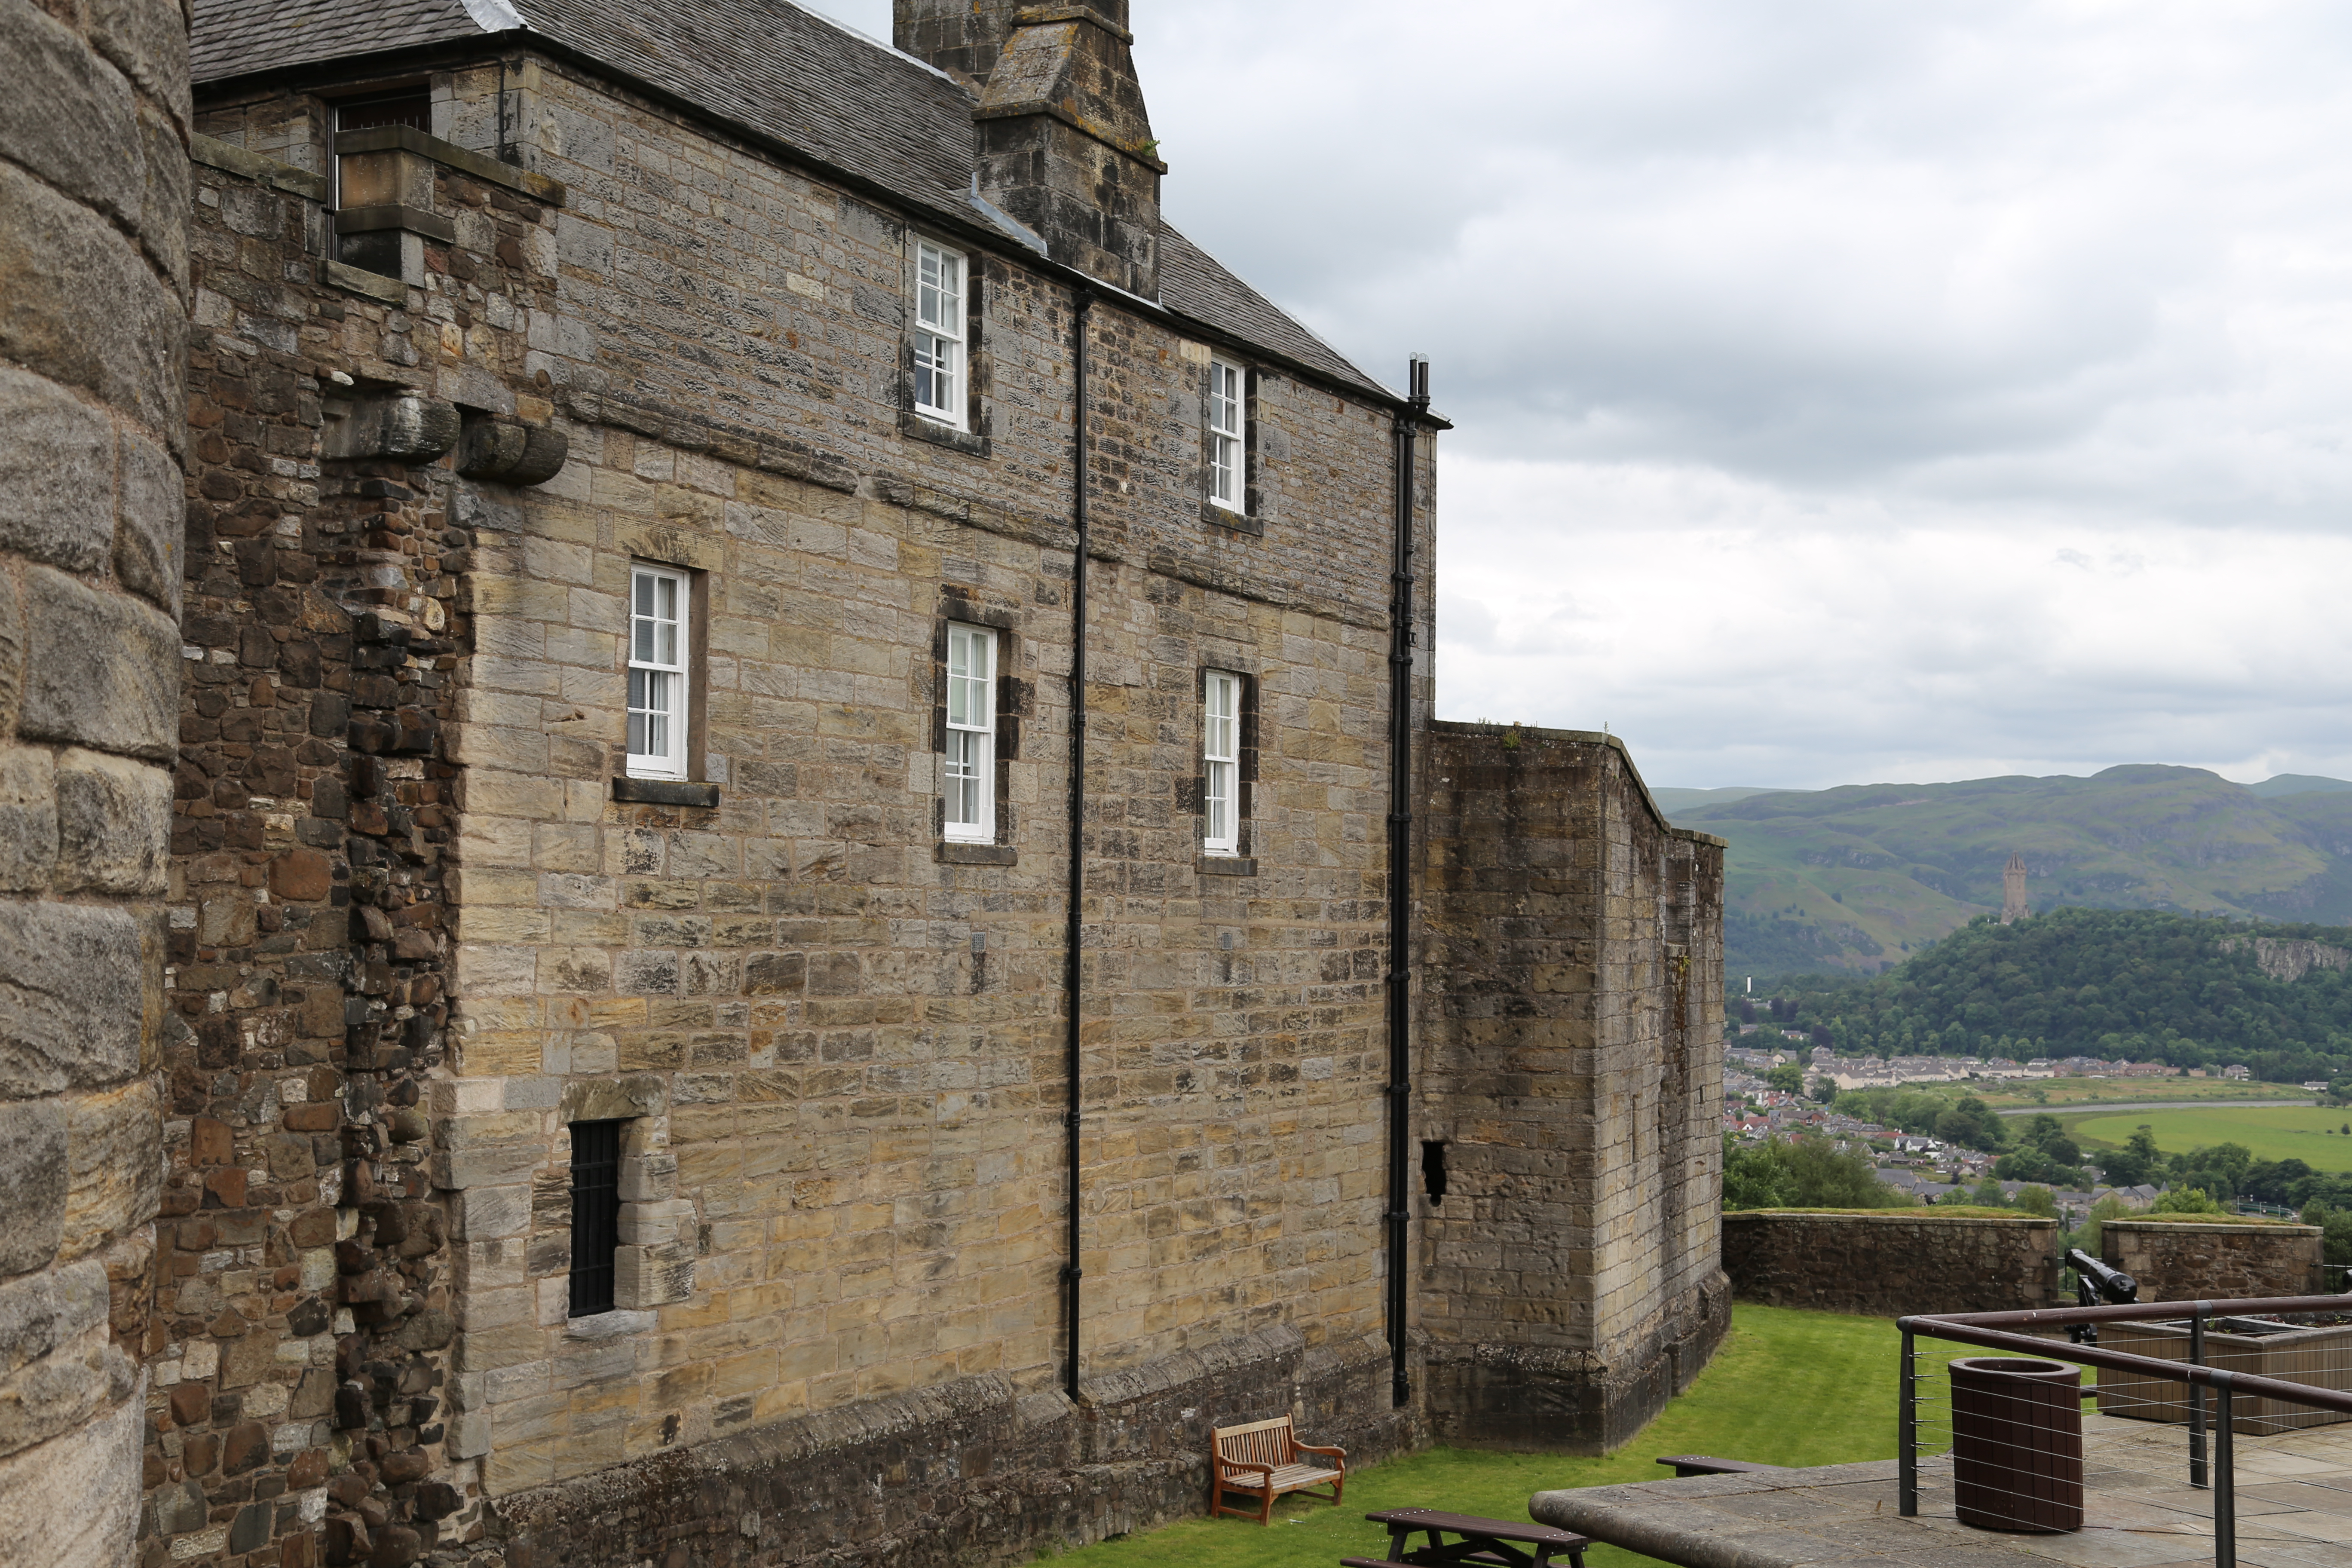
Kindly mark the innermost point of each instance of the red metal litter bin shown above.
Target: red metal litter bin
(2017, 1444)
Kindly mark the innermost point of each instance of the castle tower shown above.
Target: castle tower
(2013, 890)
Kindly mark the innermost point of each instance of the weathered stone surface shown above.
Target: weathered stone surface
(114, 825)
(2181, 1260)
(28, 818)
(70, 118)
(106, 672)
(56, 468)
(32, 1192)
(83, 309)
(1887, 1265)
(150, 535)
(114, 1177)
(72, 997)
(73, 1502)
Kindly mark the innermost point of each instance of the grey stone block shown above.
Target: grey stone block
(148, 42)
(73, 1502)
(31, 1194)
(72, 993)
(12, 660)
(151, 524)
(57, 474)
(113, 824)
(85, 309)
(103, 670)
(69, 116)
(28, 819)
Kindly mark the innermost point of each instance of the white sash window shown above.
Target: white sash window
(939, 334)
(968, 776)
(1228, 421)
(1221, 756)
(658, 606)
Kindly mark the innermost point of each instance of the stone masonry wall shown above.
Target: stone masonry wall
(2185, 1261)
(836, 1041)
(94, 270)
(1886, 1265)
(302, 1410)
(1571, 1054)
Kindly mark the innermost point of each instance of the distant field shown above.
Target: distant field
(2278, 1132)
(2059, 1092)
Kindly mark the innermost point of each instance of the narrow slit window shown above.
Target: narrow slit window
(1221, 757)
(658, 607)
(1228, 421)
(939, 333)
(595, 1215)
(968, 778)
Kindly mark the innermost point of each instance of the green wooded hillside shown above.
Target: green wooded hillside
(2144, 983)
(1858, 877)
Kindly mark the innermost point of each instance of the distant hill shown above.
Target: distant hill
(2141, 984)
(1856, 878)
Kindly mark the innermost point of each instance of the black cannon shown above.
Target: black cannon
(2098, 1284)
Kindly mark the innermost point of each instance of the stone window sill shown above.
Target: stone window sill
(1225, 517)
(613, 1325)
(1227, 866)
(665, 792)
(952, 853)
(970, 442)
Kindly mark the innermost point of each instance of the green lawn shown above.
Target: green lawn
(2303, 1132)
(2013, 1093)
(1787, 1388)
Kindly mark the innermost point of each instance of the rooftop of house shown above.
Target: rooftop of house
(784, 75)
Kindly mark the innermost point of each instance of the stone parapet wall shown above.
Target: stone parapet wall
(94, 270)
(2181, 1260)
(1888, 1265)
(1571, 1014)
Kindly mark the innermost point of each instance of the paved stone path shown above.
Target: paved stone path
(2295, 1511)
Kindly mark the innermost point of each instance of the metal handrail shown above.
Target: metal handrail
(1990, 1330)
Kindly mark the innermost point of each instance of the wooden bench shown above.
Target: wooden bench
(1702, 1464)
(1262, 1460)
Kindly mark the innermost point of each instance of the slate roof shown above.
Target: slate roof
(766, 65)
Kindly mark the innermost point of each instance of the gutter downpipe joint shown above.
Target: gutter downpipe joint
(1400, 967)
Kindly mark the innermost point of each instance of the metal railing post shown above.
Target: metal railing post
(2197, 1468)
(1906, 1433)
(2225, 1488)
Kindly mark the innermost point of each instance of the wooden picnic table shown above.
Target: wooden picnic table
(1483, 1543)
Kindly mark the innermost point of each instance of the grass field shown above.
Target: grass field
(2058, 1091)
(1786, 1387)
(2308, 1133)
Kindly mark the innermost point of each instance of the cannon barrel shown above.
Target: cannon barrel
(2112, 1284)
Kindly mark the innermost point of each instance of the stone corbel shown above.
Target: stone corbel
(509, 452)
(403, 425)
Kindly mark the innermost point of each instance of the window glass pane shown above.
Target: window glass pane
(666, 642)
(644, 595)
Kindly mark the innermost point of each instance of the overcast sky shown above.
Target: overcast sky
(1846, 391)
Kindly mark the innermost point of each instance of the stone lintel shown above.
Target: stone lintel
(360, 280)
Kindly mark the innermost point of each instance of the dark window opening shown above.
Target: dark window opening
(1433, 1170)
(595, 1214)
(413, 110)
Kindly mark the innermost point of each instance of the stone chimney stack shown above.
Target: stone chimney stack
(1064, 143)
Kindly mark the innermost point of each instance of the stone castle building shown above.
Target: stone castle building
(812, 902)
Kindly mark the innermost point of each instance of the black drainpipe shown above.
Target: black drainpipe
(1399, 976)
(1074, 973)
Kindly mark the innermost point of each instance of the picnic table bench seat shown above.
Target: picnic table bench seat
(1262, 1459)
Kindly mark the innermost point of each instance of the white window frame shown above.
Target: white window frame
(653, 677)
(1228, 436)
(967, 766)
(942, 362)
(1221, 762)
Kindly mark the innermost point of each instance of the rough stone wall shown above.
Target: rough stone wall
(837, 1041)
(93, 269)
(1571, 1050)
(301, 1409)
(1887, 1265)
(2176, 1261)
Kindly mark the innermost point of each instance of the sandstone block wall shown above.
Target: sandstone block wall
(1887, 1265)
(93, 264)
(2183, 1261)
(1572, 1057)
